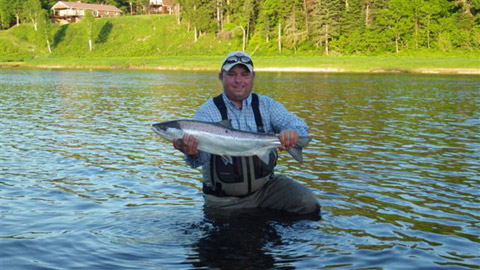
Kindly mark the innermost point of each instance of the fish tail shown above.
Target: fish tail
(296, 151)
(303, 141)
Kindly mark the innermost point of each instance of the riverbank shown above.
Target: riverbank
(355, 64)
(159, 43)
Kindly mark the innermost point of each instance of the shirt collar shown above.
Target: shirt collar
(245, 103)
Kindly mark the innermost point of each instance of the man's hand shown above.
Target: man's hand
(187, 145)
(288, 139)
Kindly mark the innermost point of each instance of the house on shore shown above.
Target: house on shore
(69, 12)
(161, 6)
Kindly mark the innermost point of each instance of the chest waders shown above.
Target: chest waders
(244, 175)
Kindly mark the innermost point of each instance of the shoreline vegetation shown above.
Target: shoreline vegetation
(320, 64)
(158, 42)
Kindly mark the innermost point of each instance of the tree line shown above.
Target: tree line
(341, 26)
(328, 26)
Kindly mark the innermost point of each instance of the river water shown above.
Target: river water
(86, 184)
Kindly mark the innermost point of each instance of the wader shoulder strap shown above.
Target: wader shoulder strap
(256, 113)
(218, 100)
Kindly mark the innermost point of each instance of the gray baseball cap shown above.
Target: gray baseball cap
(235, 58)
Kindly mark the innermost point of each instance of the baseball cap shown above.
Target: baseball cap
(235, 58)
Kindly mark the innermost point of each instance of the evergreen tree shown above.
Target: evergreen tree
(204, 18)
(417, 10)
(352, 28)
(265, 28)
(346, 26)
(284, 9)
(268, 18)
(187, 12)
(351, 19)
(367, 10)
(395, 22)
(199, 15)
(325, 24)
(219, 13)
(294, 29)
(243, 17)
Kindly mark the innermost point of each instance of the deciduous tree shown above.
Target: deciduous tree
(45, 26)
(17, 8)
(32, 10)
(88, 20)
(6, 14)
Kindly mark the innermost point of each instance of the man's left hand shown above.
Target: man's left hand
(288, 139)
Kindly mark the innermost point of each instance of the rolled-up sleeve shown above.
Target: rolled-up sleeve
(199, 161)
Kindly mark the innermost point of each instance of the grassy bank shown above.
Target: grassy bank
(158, 42)
(451, 65)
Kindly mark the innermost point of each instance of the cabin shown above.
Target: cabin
(161, 6)
(70, 12)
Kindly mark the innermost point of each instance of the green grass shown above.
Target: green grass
(135, 36)
(158, 42)
(347, 64)
(365, 63)
(19, 43)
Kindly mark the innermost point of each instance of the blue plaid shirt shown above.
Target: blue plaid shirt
(275, 118)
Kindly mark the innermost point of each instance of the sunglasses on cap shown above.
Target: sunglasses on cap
(238, 59)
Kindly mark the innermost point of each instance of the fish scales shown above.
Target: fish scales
(221, 139)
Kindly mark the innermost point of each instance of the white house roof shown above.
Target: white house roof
(77, 5)
(161, 2)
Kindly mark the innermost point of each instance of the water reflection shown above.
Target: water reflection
(242, 239)
(394, 161)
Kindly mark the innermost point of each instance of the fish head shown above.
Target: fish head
(168, 130)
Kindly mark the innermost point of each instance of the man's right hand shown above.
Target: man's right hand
(187, 145)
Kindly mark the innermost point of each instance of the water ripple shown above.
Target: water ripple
(85, 183)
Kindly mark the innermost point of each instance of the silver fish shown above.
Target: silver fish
(220, 139)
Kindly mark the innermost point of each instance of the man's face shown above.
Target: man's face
(237, 82)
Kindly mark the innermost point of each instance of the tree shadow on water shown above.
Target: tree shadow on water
(239, 239)
(59, 35)
(104, 33)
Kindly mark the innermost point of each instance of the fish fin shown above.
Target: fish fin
(303, 141)
(265, 157)
(227, 160)
(296, 151)
(226, 123)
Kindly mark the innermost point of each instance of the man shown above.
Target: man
(247, 182)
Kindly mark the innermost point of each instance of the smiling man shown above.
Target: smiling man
(247, 182)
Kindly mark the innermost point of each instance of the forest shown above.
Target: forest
(332, 27)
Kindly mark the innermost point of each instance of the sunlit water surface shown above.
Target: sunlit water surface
(86, 184)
